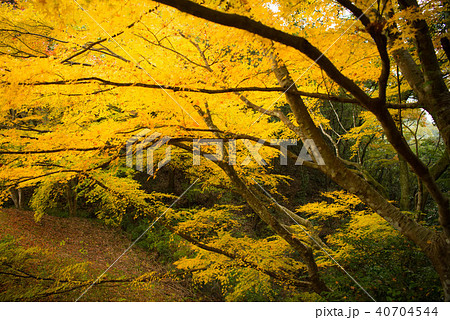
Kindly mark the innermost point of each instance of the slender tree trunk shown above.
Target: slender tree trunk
(267, 211)
(171, 182)
(71, 197)
(421, 199)
(403, 164)
(17, 198)
(404, 184)
(254, 199)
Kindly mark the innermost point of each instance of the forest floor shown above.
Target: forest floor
(76, 240)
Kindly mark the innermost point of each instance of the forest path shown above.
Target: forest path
(87, 240)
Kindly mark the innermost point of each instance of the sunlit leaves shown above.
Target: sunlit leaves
(339, 205)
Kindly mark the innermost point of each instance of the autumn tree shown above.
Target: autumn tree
(79, 79)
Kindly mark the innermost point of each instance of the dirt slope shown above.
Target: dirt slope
(81, 240)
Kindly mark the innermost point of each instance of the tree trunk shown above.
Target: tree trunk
(404, 184)
(429, 87)
(268, 211)
(17, 198)
(71, 198)
(421, 200)
(439, 253)
(436, 171)
(171, 181)
(434, 244)
(445, 43)
(254, 199)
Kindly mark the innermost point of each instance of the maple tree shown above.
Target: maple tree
(79, 78)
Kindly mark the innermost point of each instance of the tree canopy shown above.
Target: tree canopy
(366, 81)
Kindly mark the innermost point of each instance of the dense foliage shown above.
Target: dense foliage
(366, 81)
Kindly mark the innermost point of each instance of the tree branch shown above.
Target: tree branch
(296, 42)
(317, 95)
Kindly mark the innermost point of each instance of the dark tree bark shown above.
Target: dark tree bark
(445, 43)
(71, 197)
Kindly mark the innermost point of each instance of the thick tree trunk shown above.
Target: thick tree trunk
(438, 104)
(445, 43)
(439, 253)
(435, 97)
(432, 91)
(435, 245)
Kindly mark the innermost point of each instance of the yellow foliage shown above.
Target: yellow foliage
(342, 204)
